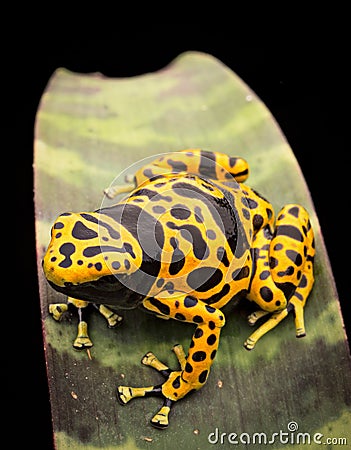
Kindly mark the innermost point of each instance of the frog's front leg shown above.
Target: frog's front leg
(195, 367)
(112, 318)
(112, 191)
(57, 310)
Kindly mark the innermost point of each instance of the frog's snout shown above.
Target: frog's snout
(58, 256)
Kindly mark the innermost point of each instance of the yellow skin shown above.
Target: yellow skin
(188, 239)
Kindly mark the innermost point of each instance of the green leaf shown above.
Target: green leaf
(88, 130)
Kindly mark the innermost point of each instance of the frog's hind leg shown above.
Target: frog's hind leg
(291, 254)
(126, 393)
(295, 305)
(298, 300)
(293, 248)
(271, 323)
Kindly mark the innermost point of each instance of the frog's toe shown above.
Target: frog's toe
(57, 310)
(300, 333)
(249, 344)
(114, 321)
(82, 340)
(124, 394)
(148, 359)
(152, 361)
(252, 319)
(161, 419)
(255, 316)
(81, 343)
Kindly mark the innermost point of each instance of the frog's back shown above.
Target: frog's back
(201, 235)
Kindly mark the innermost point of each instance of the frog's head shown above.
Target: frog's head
(94, 256)
(89, 257)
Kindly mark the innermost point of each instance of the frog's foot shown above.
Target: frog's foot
(161, 418)
(125, 393)
(113, 319)
(294, 306)
(271, 323)
(255, 316)
(57, 310)
(112, 191)
(82, 341)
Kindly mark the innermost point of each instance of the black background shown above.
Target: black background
(304, 84)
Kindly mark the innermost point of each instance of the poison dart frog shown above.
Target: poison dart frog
(188, 238)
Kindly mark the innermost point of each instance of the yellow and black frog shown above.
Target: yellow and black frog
(189, 238)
